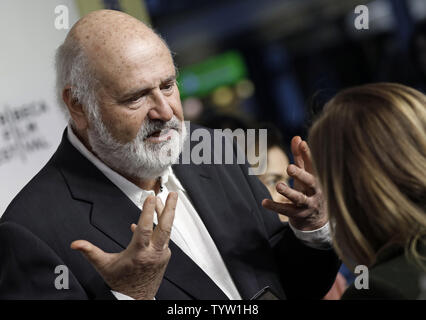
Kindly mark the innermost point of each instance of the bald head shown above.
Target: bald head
(106, 24)
(114, 41)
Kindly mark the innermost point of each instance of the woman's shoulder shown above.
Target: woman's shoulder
(394, 276)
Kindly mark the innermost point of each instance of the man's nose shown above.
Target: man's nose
(161, 109)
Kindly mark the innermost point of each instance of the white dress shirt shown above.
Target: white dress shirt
(188, 231)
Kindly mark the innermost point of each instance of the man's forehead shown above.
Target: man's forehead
(136, 69)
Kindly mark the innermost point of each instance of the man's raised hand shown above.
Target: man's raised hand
(307, 208)
(138, 270)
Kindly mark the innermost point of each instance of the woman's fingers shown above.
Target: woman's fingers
(295, 150)
(302, 175)
(306, 156)
(287, 209)
(298, 198)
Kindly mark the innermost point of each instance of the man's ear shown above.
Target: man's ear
(75, 109)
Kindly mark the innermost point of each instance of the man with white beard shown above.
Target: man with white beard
(118, 157)
(139, 157)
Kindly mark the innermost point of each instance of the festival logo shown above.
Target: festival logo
(19, 131)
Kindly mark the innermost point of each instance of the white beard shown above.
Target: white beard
(138, 158)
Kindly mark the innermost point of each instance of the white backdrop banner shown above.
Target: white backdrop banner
(31, 122)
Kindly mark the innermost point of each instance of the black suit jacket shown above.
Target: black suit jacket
(70, 199)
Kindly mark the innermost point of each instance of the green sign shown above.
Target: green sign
(201, 79)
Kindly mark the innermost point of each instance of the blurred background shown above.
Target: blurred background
(242, 63)
(280, 60)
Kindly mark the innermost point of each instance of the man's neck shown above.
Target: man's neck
(152, 184)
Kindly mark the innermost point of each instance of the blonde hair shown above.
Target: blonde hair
(369, 151)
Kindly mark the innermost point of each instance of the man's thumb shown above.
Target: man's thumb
(92, 253)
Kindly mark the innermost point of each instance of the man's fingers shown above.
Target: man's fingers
(301, 175)
(147, 216)
(159, 207)
(287, 209)
(161, 234)
(306, 155)
(143, 231)
(295, 150)
(168, 214)
(96, 256)
(298, 198)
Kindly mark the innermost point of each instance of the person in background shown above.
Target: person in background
(277, 163)
(369, 151)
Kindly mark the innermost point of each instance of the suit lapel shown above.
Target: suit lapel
(113, 213)
(186, 274)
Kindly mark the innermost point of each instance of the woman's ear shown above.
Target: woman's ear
(75, 109)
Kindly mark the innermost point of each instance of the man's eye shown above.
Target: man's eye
(135, 98)
(168, 87)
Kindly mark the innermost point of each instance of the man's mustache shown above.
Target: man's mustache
(152, 126)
